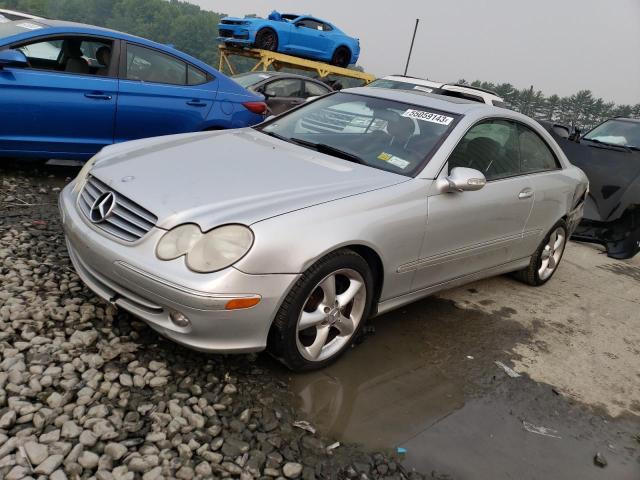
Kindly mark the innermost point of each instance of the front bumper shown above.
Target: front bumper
(235, 34)
(130, 276)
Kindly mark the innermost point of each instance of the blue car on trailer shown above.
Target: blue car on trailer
(67, 90)
(300, 35)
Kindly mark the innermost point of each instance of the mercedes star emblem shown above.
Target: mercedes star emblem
(102, 207)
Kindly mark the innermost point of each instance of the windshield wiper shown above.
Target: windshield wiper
(600, 142)
(328, 149)
(275, 135)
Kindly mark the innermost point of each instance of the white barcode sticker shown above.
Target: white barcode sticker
(428, 117)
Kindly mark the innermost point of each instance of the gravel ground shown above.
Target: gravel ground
(89, 392)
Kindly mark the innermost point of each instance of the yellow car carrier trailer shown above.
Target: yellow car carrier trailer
(267, 59)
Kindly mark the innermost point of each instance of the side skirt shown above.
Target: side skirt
(393, 303)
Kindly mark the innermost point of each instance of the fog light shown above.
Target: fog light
(179, 320)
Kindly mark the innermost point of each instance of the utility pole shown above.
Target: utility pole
(406, 68)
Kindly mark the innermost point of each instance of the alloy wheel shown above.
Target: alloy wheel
(331, 314)
(552, 253)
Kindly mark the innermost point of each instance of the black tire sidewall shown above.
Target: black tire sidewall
(259, 36)
(285, 326)
(341, 51)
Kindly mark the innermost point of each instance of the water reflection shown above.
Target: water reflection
(386, 390)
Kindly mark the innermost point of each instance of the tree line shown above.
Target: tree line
(194, 30)
(582, 109)
(183, 25)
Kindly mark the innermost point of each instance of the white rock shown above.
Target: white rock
(36, 452)
(292, 470)
(115, 450)
(49, 465)
(88, 460)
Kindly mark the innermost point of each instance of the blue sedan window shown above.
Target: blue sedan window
(147, 65)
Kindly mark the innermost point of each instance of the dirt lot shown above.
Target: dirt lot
(86, 391)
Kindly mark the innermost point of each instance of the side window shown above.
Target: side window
(39, 53)
(535, 154)
(491, 147)
(312, 89)
(308, 23)
(87, 56)
(147, 65)
(326, 27)
(195, 76)
(288, 87)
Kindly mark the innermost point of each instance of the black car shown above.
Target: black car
(609, 154)
(282, 91)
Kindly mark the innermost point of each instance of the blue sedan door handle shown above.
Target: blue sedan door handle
(196, 103)
(98, 96)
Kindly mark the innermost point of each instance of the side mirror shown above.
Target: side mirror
(13, 58)
(462, 179)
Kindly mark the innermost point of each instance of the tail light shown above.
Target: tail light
(256, 107)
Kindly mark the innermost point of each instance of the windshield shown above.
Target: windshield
(625, 133)
(246, 80)
(8, 29)
(384, 134)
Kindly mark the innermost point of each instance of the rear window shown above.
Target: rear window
(247, 79)
(396, 85)
(9, 29)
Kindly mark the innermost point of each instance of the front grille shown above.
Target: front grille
(225, 33)
(232, 22)
(127, 221)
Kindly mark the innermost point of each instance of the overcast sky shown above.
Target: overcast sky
(558, 46)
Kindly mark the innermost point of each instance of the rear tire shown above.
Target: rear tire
(545, 261)
(341, 57)
(266, 39)
(323, 313)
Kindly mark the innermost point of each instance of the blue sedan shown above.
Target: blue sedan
(67, 90)
(300, 35)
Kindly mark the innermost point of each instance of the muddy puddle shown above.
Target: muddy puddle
(426, 382)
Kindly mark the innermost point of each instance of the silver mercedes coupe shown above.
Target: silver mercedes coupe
(290, 234)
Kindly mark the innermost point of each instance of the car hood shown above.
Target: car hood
(614, 177)
(235, 176)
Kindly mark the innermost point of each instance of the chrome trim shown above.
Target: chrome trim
(125, 219)
(463, 252)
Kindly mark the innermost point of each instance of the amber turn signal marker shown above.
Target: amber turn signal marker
(238, 303)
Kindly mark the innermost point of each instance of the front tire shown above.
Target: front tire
(267, 39)
(323, 313)
(341, 57)
(545, 261)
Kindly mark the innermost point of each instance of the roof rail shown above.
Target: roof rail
(470, 87)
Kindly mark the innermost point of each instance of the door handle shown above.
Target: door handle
(98, 96)
(196, 103)
(526, 193)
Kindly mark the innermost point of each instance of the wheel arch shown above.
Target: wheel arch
(268, 27)
(370, 255)
(346, 47)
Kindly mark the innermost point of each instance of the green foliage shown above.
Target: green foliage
(581, 109)
(182, 24)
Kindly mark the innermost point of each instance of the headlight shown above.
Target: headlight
(178, 241)
(206, 252)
